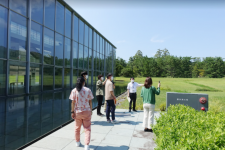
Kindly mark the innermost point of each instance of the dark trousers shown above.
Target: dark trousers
(100, 99)
(133, 97)
(110, 104)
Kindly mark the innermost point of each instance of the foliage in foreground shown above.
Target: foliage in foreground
(184, 128)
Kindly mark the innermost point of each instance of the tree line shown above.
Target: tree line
(165, 65)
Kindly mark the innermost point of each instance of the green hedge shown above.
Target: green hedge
(184, 128)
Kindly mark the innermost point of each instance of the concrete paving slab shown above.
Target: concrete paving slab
(127, 134)
(111, 147)
(142, 134)
(35, 148)
(121, 132)
(50, 142)
(99, 129)
(95, 137)
(72, 146)
(142, 143)
(68, 134)
(117, 140)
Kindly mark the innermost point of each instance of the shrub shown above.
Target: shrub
(162, 107)
(184, 128)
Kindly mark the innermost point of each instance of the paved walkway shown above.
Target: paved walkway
(127, 134)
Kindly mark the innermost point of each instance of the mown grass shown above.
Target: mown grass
(214, 87)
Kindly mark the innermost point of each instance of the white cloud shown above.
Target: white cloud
(121, 41)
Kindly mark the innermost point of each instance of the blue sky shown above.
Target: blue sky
(185, 28)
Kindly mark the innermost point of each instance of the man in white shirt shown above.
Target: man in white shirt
(131, 90)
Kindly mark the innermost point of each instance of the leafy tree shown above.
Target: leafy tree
(195, 71)
(163, 64)
(214, 67)
(120, 64)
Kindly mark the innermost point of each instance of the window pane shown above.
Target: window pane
(90, 38)
(114, 61)
(103, 63)
(75, 28)
(58, 78)
(4, 2)
(50, 13)
(17, 72)
(98, 61)
(47, 112)
(66, 78)
(58, 50)
(94, 57)
(3, 31)
(85, 57)
(48, 72)
(59, 18)
(94, 41)
(79, 73)
(35, 78)
(81, 32)
(2, 76)
(37, 10)
(81, 49)
(68, 23)
(95, 75)
(48, 46)
(36, 43)
(103, 47)
(97, 43)
(18, 37)
(90, 59)
(86, 35)
(74, 77)
(75, 53)
(100, 45)
(89, 78)
(19, 6)
(67, 52)
(57, 109)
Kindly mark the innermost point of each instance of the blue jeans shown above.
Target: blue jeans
(110, 104)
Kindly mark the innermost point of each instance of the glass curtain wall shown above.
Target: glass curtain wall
(45, 45)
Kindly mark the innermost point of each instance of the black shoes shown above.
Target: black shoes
(135, 110)
(129, 110)
(100, 114)
(148, 130)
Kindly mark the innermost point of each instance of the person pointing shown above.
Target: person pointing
(131, 91)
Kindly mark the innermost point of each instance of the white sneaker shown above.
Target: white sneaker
(77, 144)
(86, 147)
(114, 121)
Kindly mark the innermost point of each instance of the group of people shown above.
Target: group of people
(81, 105)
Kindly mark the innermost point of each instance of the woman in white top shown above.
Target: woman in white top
(81, 110)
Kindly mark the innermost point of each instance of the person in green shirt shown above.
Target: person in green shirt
(148, 93)
(99, 93)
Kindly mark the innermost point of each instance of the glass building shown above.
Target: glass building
(44, 46)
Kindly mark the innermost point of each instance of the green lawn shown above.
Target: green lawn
(214, 87)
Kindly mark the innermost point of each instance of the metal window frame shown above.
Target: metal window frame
(91, 32)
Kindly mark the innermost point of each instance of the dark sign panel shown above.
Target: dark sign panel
(197, 101)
